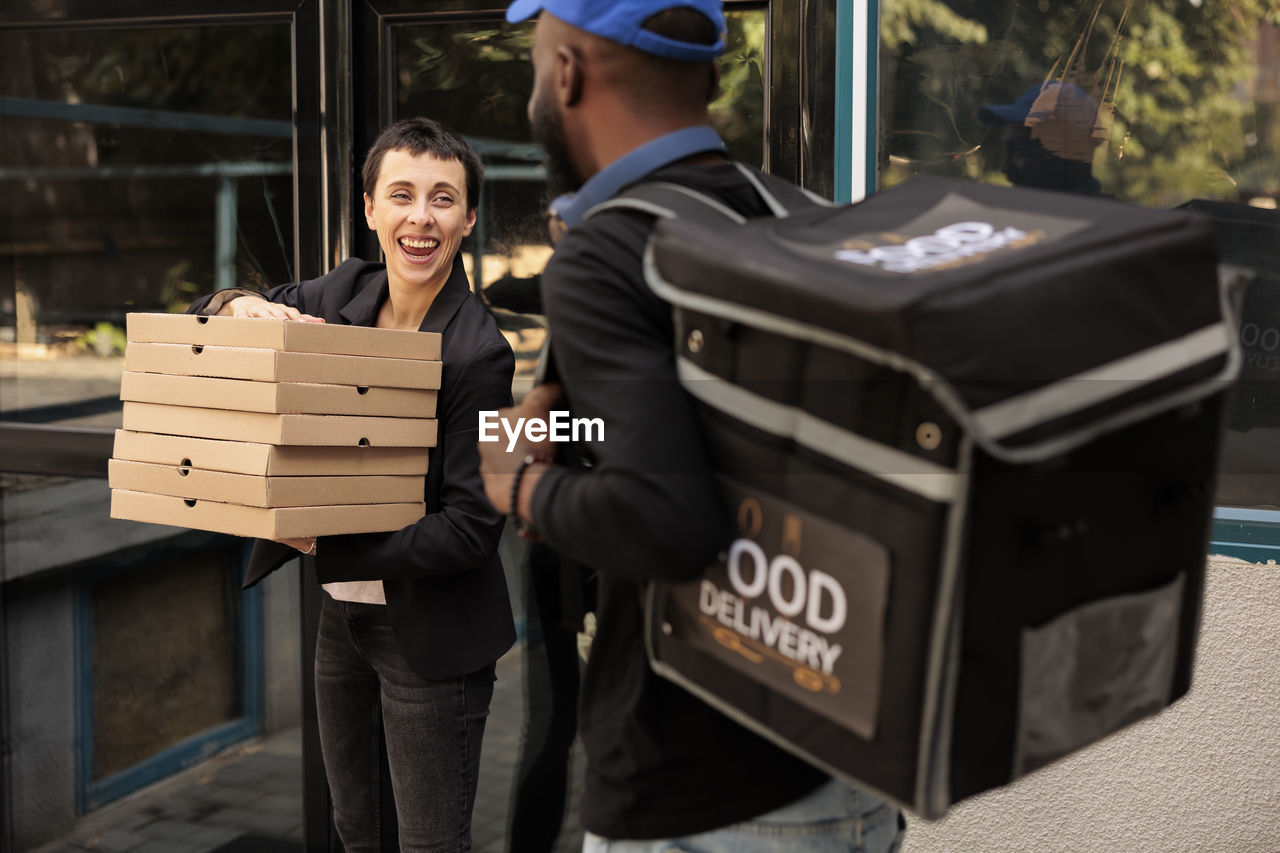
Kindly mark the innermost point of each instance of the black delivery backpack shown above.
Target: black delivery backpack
(969, 436)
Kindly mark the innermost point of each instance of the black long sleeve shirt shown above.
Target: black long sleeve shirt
(660, 763)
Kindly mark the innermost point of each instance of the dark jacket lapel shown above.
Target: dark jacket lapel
(448, 300)
(362, 310)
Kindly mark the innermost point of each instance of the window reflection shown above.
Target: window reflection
(140, 168)
(1163, 102)
(1158, 103)
(738, 111)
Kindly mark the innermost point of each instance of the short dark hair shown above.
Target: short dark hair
(652, 82)
(424, 136)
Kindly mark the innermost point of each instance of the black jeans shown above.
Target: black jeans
(433, 729)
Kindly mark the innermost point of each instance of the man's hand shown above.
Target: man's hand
(256, 306)
(498, 465)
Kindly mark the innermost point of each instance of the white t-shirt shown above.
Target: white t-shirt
(364, 592)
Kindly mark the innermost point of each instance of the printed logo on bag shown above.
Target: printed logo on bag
(798, 604)
(955, 232)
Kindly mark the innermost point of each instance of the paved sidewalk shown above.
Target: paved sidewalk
(255, 788)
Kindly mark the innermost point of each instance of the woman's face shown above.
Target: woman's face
(419, 209)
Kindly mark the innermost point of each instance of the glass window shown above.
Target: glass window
(1159, 103)
(140, 168)
(738, 111)
(1156, 102)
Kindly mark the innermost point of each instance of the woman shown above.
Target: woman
(414, 620)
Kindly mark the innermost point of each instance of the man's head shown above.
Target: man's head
(609, 75)
(424, 136)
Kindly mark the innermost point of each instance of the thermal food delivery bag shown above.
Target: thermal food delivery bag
(969, 437)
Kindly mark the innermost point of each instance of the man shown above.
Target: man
(620, 95)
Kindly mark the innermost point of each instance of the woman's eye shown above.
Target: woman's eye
(400, 195)
(443, 199)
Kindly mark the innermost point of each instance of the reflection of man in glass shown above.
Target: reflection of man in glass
(1049, 134)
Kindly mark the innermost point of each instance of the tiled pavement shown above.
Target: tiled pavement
(255, 788)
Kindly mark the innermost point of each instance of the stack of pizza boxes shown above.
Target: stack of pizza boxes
(273, 429)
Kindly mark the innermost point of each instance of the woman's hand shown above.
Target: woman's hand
(306, 546)
(256, 306)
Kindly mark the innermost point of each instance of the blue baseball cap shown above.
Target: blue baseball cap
(623, 22)
(1063, 117)
(1055, 98)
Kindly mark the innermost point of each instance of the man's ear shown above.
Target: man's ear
(568, 75)
(368, 213)
(713, 82)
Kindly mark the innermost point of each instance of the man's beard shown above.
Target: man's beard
(548, 131)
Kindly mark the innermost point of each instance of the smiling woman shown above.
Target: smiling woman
(388, 658)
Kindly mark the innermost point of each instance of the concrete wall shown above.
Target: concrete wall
(1202, 776)
(40, 676)
(40, 641)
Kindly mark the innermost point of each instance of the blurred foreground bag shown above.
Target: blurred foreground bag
(969, 435)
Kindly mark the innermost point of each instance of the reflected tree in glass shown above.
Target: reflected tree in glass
(738, 111)
(1184, 109)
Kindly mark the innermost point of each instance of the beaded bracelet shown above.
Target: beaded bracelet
(523, 527)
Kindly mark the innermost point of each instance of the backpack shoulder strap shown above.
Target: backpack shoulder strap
(783, 197)
(664, 200)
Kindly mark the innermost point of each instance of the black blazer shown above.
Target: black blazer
(444, 584)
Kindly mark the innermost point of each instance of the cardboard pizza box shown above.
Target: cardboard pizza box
(266, 428)
(251, 490)
(262, 523)
(269, 365)
(285, 335)
(278, 397)
(239, 457)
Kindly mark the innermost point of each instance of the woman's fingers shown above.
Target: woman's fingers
(270, 311)
(253, 306)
